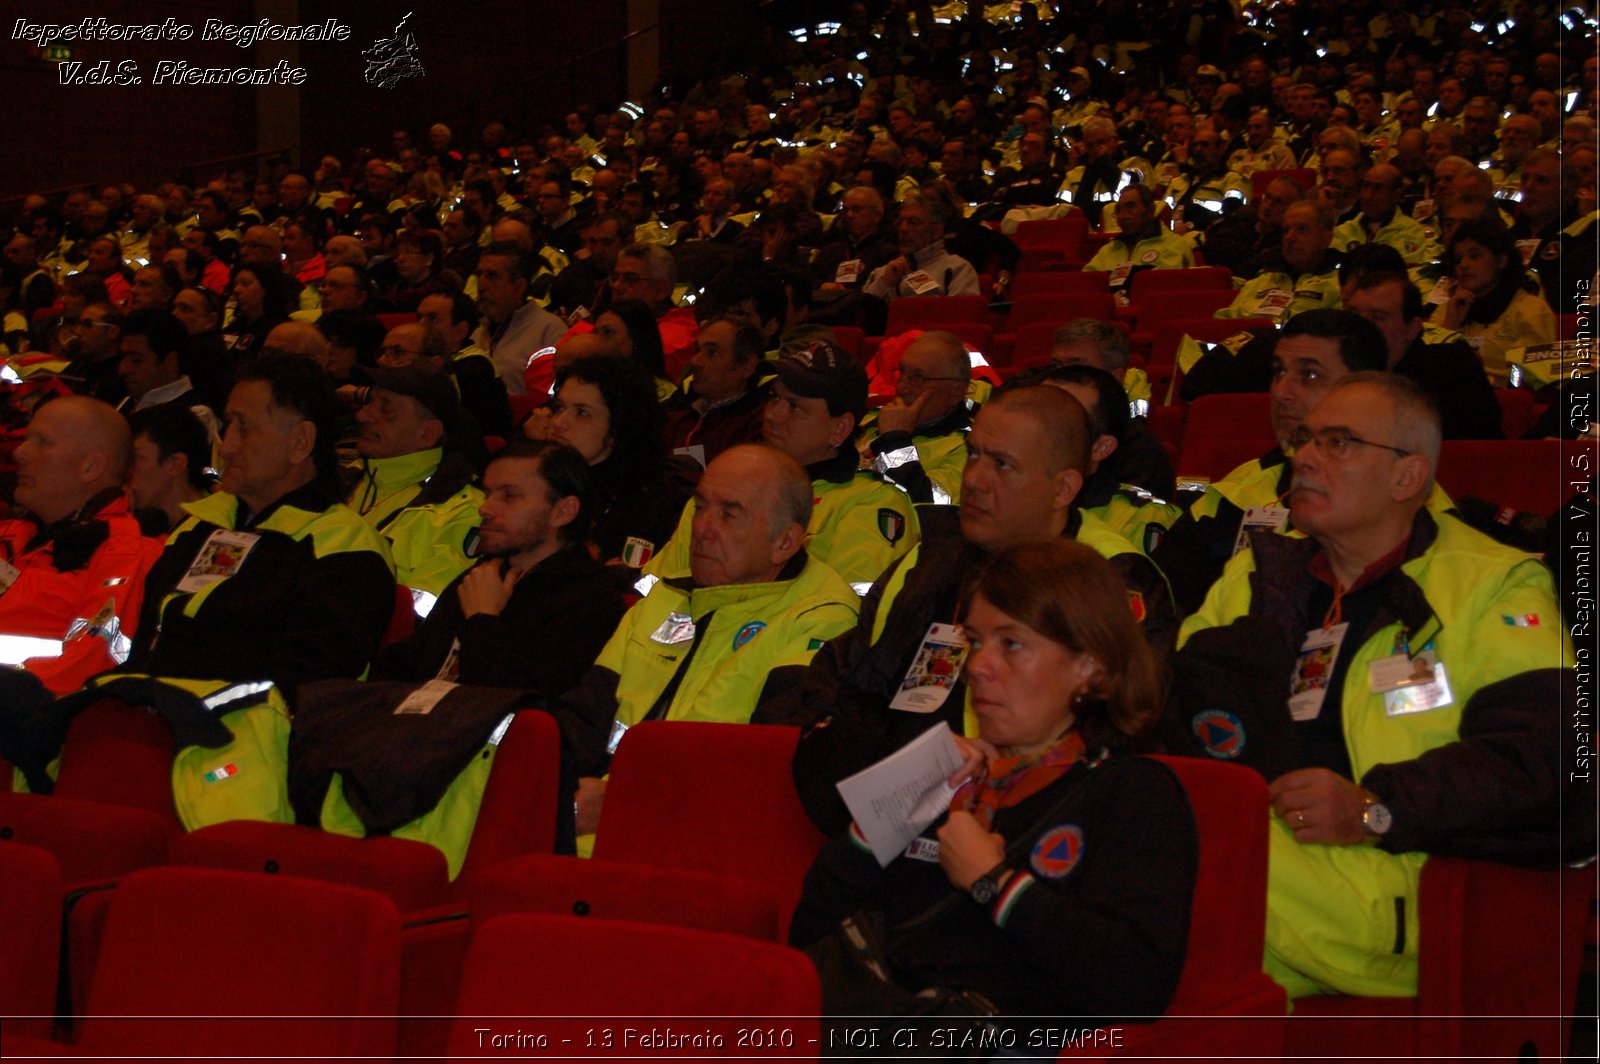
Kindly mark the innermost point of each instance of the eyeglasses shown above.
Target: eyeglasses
(916, 378)
(1334, 442)
(396, 351)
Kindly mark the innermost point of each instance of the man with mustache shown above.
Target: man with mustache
(1429, 668)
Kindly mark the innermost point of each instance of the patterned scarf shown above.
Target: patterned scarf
(1012, 779)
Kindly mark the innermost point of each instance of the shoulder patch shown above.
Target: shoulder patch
(1057, 852)
(891, 524)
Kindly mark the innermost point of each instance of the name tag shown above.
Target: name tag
(1442, 291)
(934, 671)
(1275, 518)
(421, 701)
(1410, 685)
(1274, 303)
(847, 272)
(1312, 669)
(1527, 248)
(920, 283)
(677, 628)
(223, 552)
(1119, 274)
(924, 850)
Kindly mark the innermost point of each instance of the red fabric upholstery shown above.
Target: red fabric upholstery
(600, 968)
(711, 798)
(30, 938)
(931, 312)
(412, 874)
(94, 842)
(1058, 283)
(433, 951)
(523, 405)
(394, 321)
(849, 337)
(1167, 335)
(1484, 990)
(1166, 424)
(1063, 234)
(1522, 474)
(1161, 305)
(624, 890)
(518, 814)
(1516, 411)
(1226, 1006)
(1303, 176)
(1031, 344)
(1221, 431)
(1059, 309)
(1148, 283)
(213, 944)
(121, 755)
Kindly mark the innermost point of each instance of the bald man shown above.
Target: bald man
(299, 338)
(72, 581)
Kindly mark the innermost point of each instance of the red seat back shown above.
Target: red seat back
(94, 842)
(1516, 411)
(30, 937)
(518, 813)
(1526, 475)
(1219, 428)
(1064, 234)
(1059, 309)
(1158, 307)
(1058, 283)
(849, 337)
(1146, 283)
(607, 968)
(231, 952)
(714, 798)
(1303, 176)
(932, 312)
(624, 890)
(121, 755)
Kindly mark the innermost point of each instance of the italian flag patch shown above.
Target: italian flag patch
(1521, 620)
(217, 775)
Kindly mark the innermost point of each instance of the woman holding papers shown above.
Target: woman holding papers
(1059, 881)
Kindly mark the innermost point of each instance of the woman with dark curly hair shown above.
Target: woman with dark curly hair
(1059, 881)
(1493, 304)
(605, 408)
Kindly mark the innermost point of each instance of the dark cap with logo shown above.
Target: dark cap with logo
(433, 388)
(824, 370)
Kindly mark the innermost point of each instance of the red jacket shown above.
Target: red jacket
(82, 618)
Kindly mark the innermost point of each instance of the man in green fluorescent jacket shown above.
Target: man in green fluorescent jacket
(1429, 668)
(415, 488)
(859, 524)
(710, 645)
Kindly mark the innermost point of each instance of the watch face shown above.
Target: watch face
(1377, 818)
(982, 890)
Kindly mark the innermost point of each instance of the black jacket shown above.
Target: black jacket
(559, 616)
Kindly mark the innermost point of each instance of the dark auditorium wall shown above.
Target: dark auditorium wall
(483, 61)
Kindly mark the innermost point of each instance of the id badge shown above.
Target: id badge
(8, 576)
(1313, 667)
(1442, 290)
(1423, 209)
(1119, 273)
(934, 671)
(921, 283)
(219, 558)
(450, 668)
(677, 628)
(695, 452)
(847, 272)
(1274, 303)
(421, 701)
(1421, 697)
(1274, 517)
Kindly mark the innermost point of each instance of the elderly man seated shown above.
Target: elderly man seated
(1426, 671)
(713, 644)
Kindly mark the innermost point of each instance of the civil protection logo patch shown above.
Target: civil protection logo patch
(891, 524)
(1222, 734)
(1057, 852)
(747, 633)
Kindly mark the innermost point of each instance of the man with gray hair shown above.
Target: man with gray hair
(1423, 667)
(711, 645)
(918, 442)
(514, 327)
(924, 267)
(646, 272)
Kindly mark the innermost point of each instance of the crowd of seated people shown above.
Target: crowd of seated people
(595, 406)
